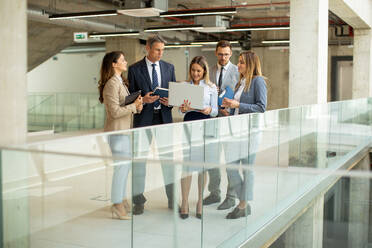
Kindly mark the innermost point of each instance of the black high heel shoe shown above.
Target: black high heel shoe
(198, 215)
(184, 215)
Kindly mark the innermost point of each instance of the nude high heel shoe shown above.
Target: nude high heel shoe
(115, 212)
(126, 206)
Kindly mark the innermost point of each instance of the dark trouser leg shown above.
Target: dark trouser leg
(214, 181)
(168, 176)
(138, 182)
(167, 169)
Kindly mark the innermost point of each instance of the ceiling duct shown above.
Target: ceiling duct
(212, 24)
(144, 8)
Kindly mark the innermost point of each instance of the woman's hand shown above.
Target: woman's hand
(185, 106)
(164, 101)
(230, 103)
(206, 110)
(138, 103)
(224, 112)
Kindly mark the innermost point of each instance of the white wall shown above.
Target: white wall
(80, 72)
(66, 73)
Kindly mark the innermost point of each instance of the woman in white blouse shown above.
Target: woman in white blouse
(250, 97)
(198, 75)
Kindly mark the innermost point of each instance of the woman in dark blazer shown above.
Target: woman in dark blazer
(250, 97)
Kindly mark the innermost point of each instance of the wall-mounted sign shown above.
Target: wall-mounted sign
(80, 36)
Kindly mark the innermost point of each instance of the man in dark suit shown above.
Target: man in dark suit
(146, 75)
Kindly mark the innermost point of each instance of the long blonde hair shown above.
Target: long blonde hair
(202, 61)
(253, 69)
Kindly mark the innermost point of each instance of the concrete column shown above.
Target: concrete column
(131, 47)
(362, 68)
(308, 52)
(307, 231)
(13, 111)
(359, 207)
(13, 68)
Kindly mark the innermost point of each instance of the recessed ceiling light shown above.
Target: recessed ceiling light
(237, 29)
(173, 28)
(196, 12)
(131, 33)
(83, 14)
(274, 41)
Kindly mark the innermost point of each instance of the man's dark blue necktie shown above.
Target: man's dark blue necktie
(155, 83)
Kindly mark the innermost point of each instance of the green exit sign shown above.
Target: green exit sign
(81, 36)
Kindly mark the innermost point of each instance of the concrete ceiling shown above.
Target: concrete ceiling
(57, 35)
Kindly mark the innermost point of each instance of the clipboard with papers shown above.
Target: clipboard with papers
(178, 92)
(227, 93)
(130, 98)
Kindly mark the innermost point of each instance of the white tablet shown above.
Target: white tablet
(178, 92)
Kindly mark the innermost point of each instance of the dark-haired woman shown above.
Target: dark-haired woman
(198, 75)
(113, 90)
(250, 97)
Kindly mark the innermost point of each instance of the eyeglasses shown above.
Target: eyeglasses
(223, 54)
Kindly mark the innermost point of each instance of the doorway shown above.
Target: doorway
(341, 78)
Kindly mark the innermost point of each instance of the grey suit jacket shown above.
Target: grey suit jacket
(255, 99)
(231, 77)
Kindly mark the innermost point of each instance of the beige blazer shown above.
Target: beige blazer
(117, 118)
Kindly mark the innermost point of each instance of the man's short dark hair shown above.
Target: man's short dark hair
(223, 43)
(153, 39)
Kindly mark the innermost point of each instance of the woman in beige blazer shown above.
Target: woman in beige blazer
(113, 90)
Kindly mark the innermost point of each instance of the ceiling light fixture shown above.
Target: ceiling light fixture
(181, 45)
(274, 41)
(114, 34)
(257, 28)
(211, 42)
(174, 28)
(197, 12)
(83, 14)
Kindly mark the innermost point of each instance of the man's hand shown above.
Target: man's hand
(164, 101)
(149, 99)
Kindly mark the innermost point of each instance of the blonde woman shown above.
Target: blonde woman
(113, 90)
(250, 97)
(198, 75)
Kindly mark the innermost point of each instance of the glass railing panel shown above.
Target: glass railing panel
(65, 111)
(54, 200)
(41, 112)
(292, 136)
(154, 202)
(233, 134)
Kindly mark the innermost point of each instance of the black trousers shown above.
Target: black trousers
(139, 171)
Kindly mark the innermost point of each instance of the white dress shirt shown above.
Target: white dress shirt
(238, 94)
(218, 72)
(157, 69)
